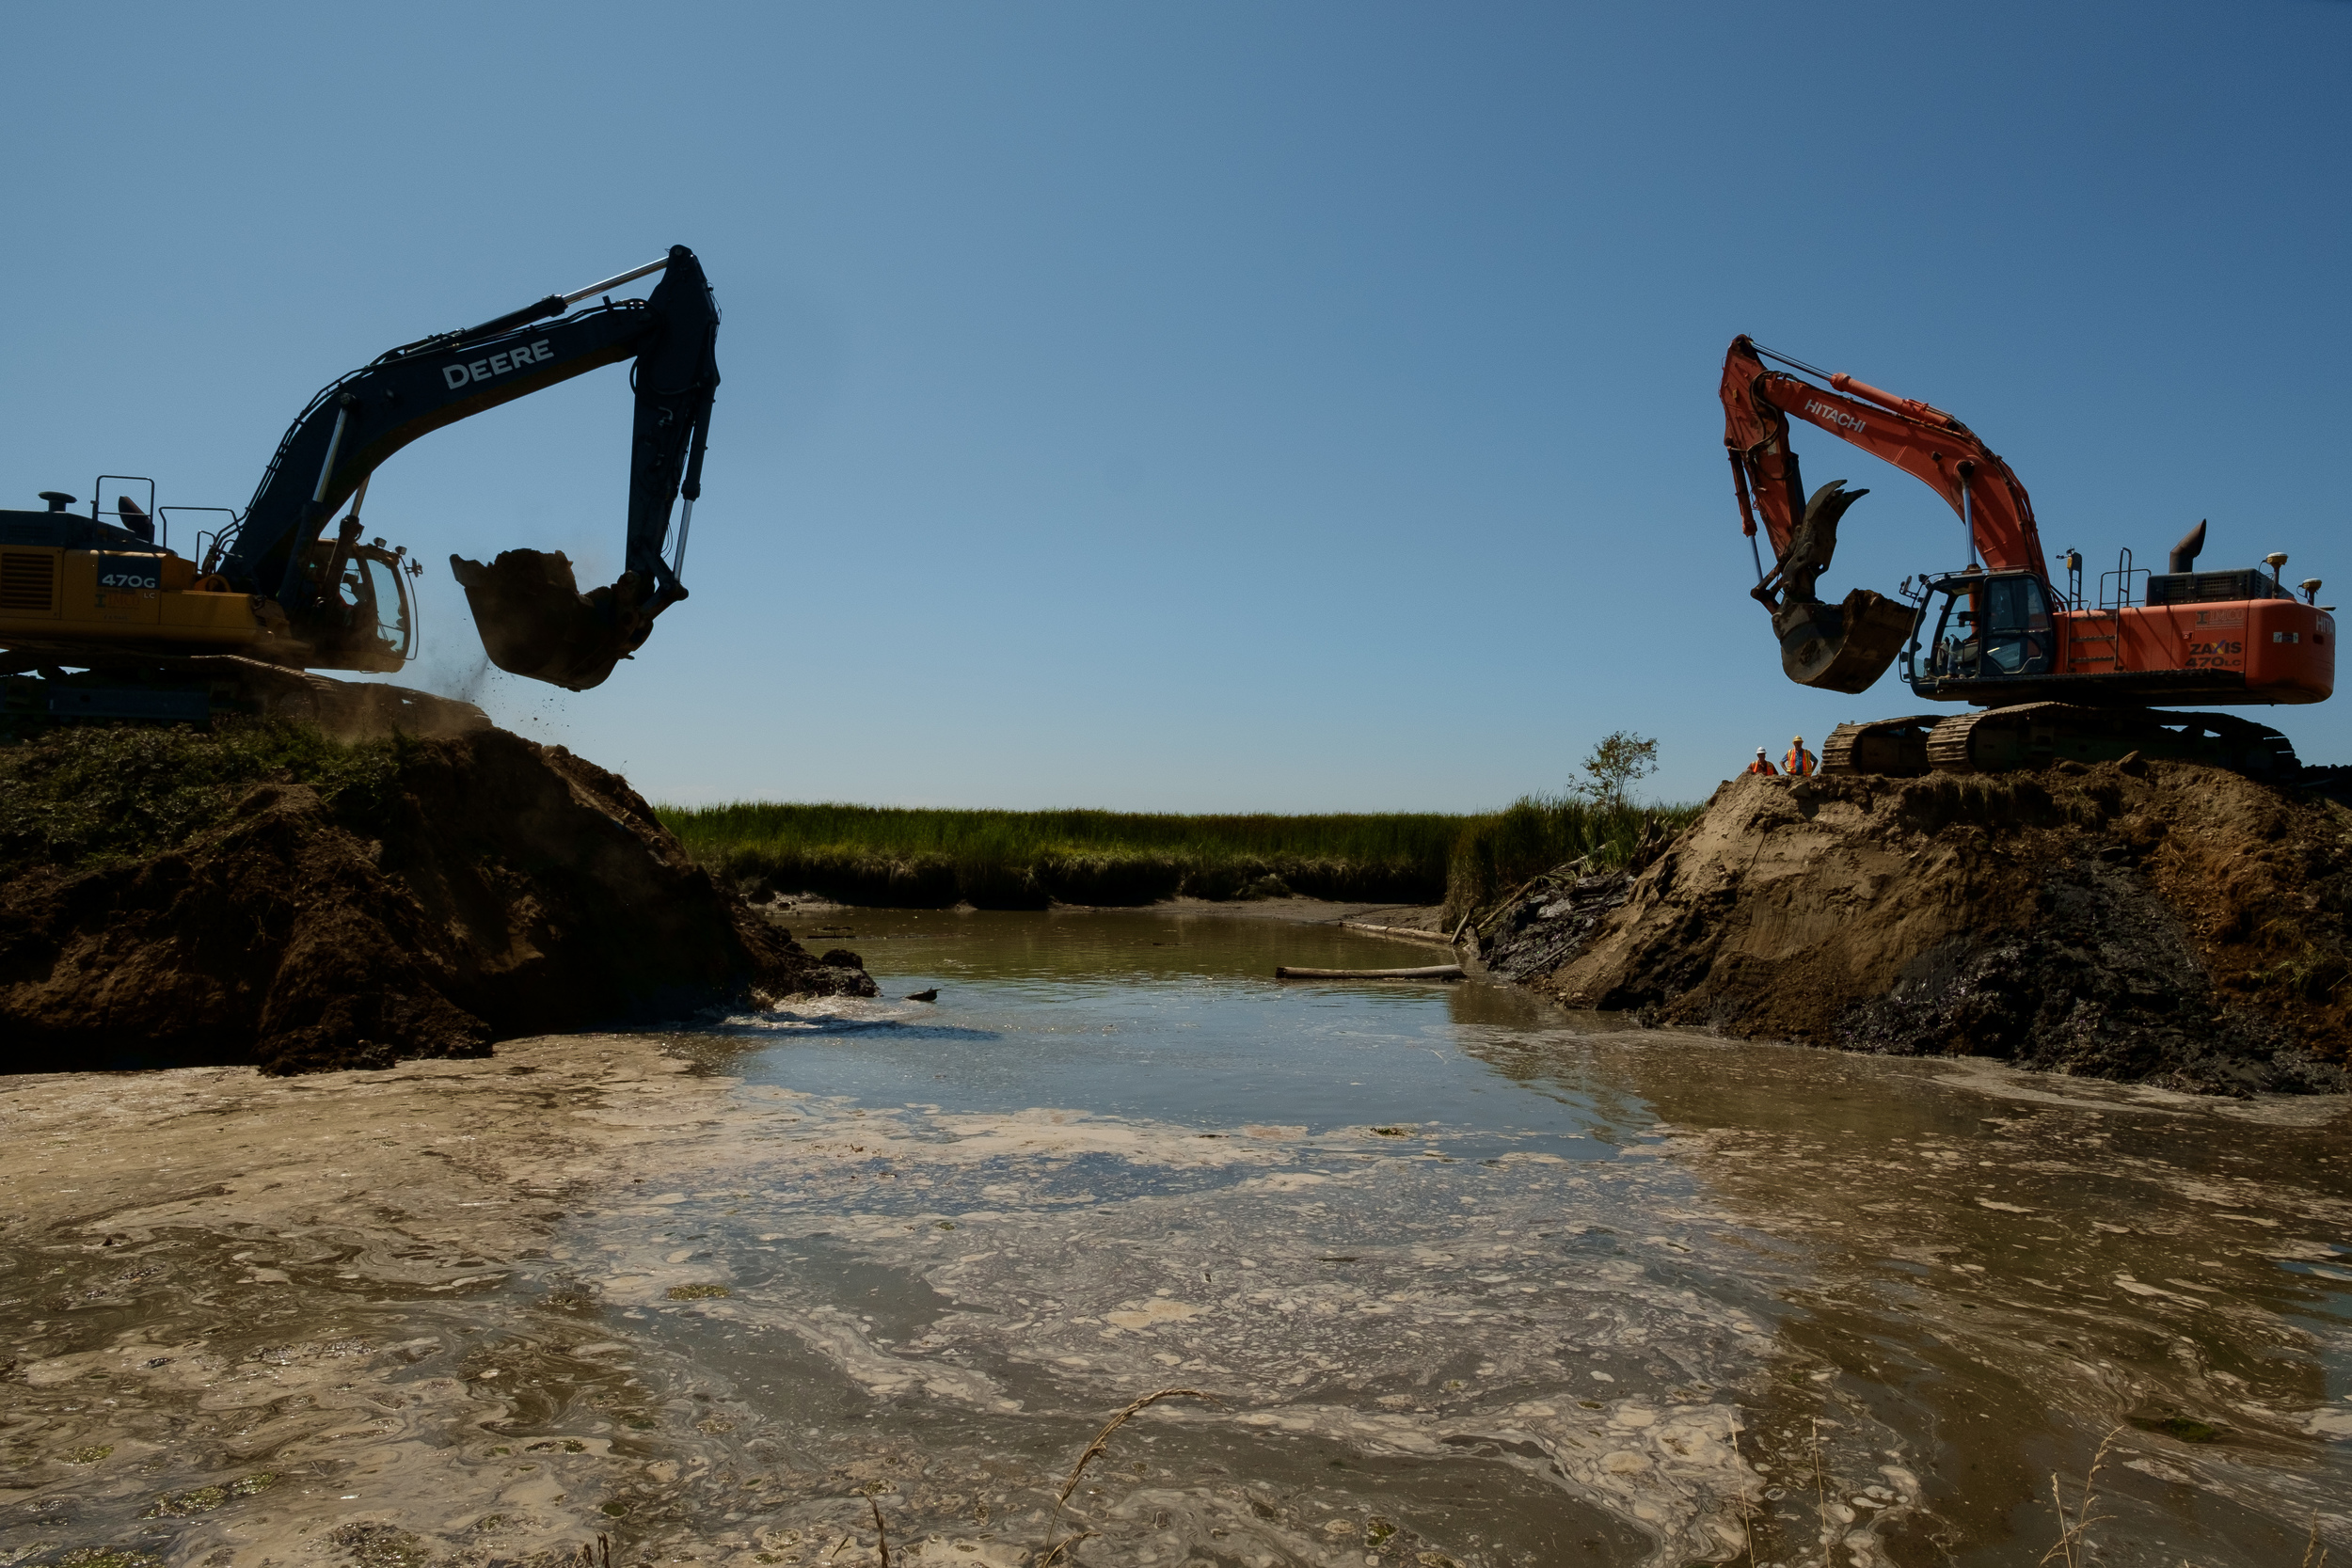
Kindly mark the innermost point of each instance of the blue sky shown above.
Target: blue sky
(1210, 406)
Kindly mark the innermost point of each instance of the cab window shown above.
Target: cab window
(390, 605)
(2017, 627)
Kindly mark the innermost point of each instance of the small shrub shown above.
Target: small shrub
(1619, 761)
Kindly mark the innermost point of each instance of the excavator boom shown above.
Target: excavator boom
(1916, 437)
(534, 620)
(1847, 647)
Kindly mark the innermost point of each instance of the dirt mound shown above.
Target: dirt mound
(357, 905)
(2139, 921)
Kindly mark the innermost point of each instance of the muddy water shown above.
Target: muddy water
(1456, 1278)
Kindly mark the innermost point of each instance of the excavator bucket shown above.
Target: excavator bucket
(534, 620)
(1841, 647)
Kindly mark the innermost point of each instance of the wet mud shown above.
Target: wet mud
(2156, 923)
(1469, 1280)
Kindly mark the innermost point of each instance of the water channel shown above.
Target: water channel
(1452, 1276)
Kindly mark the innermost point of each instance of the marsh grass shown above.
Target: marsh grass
(1493, 856)
(1023, 860)
(932, 858)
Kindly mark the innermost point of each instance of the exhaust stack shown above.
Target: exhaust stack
(2184, 554)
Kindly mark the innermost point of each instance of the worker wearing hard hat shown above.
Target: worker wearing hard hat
(1762, 764)
(1799, 763)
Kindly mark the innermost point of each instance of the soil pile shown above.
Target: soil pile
(2139, 921)
(268, 896)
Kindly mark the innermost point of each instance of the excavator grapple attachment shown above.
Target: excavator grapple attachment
(534, 620)
(1841, 647)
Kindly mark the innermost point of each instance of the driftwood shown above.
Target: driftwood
(1432, 971)
(1403, 934)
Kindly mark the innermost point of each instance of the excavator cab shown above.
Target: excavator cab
(1991, 626)
(364, 617)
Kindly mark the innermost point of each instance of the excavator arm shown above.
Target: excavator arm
(1916, 437)
(532, 618)
(1847, 647)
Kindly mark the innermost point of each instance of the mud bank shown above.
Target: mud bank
(2142, 922)
(257, 1307)
(359, 906)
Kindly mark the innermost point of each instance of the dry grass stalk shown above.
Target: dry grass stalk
(882, 1534)
(2072, 1549)
(2314, 1545)
(1094, 1451)
(1062, 1546)
(1747, 1527)
(1820, 1495)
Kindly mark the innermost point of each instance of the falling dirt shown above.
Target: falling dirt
(2144, 921)
(422, 898)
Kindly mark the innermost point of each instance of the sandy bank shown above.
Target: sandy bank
(2144, 921)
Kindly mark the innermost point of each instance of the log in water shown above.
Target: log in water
(1428, 972)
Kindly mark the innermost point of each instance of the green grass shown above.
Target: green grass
(930, 859)
(91, 795)
(1496, 854)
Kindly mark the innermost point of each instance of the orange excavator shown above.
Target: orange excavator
(2053, 674)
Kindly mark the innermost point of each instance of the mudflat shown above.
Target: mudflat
(1469, 1277)
(234, 1289)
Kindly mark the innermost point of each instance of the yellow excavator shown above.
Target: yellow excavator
(102, 619)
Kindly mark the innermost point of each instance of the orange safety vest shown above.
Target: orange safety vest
(1760, 766)
(1799, 762)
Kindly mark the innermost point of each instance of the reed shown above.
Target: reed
(913, 858)
(930, 858)
(1495, 855)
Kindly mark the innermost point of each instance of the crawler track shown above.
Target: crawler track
(1894, 747)
(2034, 734)
(197, 689)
